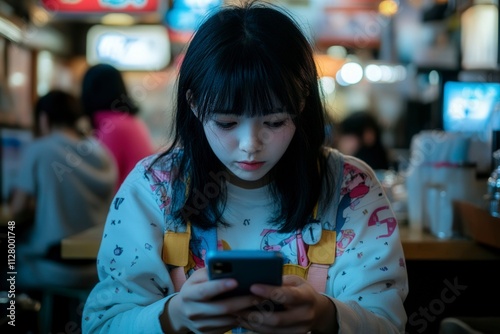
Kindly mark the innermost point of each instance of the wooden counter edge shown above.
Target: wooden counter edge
(85, 245)
(424, 246)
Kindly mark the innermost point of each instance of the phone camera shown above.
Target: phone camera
(222, 267)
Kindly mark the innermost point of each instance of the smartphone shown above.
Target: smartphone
(247, 267)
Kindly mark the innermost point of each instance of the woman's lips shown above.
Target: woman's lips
(250, 165)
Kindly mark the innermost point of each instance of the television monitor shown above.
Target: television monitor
(471, 108)
(468, 106)
(129, 48)
(12, 143)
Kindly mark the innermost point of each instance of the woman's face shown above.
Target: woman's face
(249, 147)
(348, 144)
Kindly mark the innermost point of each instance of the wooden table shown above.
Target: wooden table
(424, 246)
(5, 216)
(83, 245)
(433, 265)
(416, 245)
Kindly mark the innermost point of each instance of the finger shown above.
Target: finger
(199, 287)
(199, 276)
(218, 308)
(293, 280)
(208, 289)
(265, 307)
(243, 303)
(232, 305)
(267, 290)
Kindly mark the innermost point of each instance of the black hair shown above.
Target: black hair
(243, 59)
(103, 88)
(61, 108)
(356, 124)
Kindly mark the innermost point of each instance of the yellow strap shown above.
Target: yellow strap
(324, 251)
(176, 247)
(295, 269)
(225, 245)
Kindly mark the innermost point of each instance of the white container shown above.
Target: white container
(446, 183)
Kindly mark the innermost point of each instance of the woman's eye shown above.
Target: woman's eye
(276, 124)
(225, 125)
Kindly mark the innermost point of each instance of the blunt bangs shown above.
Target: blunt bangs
(241, 84)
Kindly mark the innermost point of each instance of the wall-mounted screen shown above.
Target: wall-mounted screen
(469, 106)
(135, 48)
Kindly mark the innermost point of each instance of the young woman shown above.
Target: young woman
(247, 170)
(113, 115)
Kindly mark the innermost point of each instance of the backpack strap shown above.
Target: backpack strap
(322, 247)
(175, 253)
(321, 255)
(175, 250)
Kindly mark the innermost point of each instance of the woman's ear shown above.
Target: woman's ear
(189, 99)
(302, 105)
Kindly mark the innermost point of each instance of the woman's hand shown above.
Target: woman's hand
(193, 310)
(303, 309)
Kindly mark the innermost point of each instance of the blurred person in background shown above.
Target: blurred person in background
(359, 135)
(113, 115)
(65, 185)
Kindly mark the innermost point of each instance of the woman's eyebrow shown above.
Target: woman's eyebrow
(226, 113)
(278, 110)
(232, 112)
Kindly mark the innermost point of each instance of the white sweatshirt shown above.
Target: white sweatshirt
(367, 282)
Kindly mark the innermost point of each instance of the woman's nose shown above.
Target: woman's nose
(250, 140)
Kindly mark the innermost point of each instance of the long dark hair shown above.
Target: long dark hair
(103, 89)
(243, 59)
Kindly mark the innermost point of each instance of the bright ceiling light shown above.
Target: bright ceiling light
(351, 73)
(388, 7)
(17, 79)
(327, 85)
(373, 73)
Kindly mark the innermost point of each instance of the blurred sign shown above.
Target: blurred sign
(93, 6)
(186, 15)
(358, 28)
(479, 37)
(140, 48)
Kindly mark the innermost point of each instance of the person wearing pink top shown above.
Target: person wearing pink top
(114, 117)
